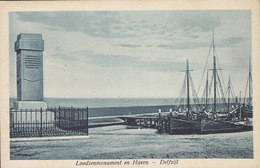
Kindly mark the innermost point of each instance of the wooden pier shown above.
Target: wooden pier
(141, 121)
(165, 122)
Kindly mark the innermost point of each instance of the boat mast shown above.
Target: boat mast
(214, 74)
(206, 92)
(240, 105)
(229, 90)
(249, 82)
(188, 89)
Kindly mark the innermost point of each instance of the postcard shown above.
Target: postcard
(129, 84)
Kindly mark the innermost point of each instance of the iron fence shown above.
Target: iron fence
(59, 121)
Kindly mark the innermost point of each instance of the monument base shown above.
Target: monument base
(33, 105)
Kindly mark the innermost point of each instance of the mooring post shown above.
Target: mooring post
(171, 122)
(145, 122)
(160, 116)
(159, 121)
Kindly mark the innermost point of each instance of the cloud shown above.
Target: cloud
(104, 24)
(128, 45)
(203, 20)
(231, 41)
(222, 43)
(167, 46)
(194, 36)
(64, 56)
(184, 45)
(59, 49)
(114, 24)
(116, 61)
(104, 60)
(163, 66)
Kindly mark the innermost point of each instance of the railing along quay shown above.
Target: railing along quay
(59, 121)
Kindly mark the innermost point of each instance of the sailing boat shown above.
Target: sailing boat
(185, 117)
(232, 106)
(196, 119)
(187, 106)
(216, 108)
(247, 108)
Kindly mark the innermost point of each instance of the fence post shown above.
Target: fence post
(78, 119)
(16, 121)
(87, 119)
(41, 123)
(46, 117)
(26, 127)
(82, 118)
(22, 126)
(59, 116)
(64, 119)
(55, 116)
(78, 114)
(31, 130)
(71, 119)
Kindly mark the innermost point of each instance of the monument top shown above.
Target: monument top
(28, 41)
(29, 36)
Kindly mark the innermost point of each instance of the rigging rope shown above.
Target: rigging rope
(178, 101)
(194, 94)
(220, 69)
(246, 89)
(205, 67)
(210, 86)
(221, 89)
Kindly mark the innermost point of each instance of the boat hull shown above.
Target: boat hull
(180, 126)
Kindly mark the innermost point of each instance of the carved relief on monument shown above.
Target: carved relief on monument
(32, 61)
(32, 66)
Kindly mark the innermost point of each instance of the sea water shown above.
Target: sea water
(99, 107)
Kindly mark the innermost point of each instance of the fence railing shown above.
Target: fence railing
(48, 122)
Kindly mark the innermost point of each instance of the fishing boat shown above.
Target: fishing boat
(245, 112)
(190, 115)
(247, 108)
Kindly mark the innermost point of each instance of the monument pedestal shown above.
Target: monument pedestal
(30, 105)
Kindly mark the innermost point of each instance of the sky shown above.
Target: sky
(133, 54)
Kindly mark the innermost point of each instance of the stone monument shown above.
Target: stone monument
(29, 49)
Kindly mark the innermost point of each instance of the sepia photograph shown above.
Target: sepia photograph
(130, 87)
